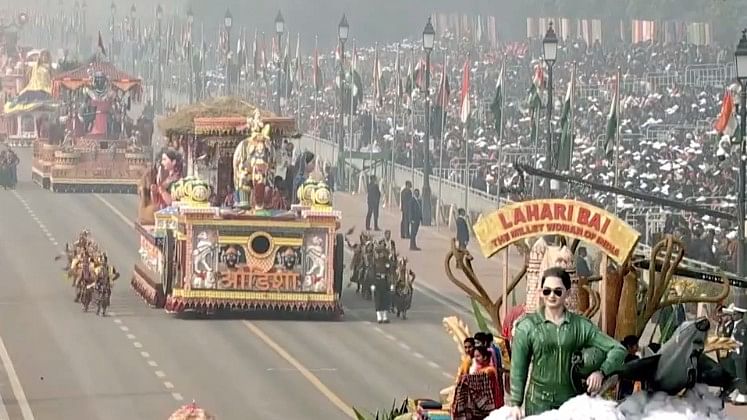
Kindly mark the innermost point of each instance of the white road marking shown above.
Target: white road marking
(296, 370)
(434, 365)
(447, 375)
(418, 355)
(15, 383)
(405, 347)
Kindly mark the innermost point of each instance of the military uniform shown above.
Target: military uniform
(549, 348)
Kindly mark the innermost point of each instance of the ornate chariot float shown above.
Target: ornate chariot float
(100, 149)
(206, 247)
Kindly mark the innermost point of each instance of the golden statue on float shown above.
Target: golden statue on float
(252, 164)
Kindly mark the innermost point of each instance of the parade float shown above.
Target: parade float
(635, 283)
(100, 149)
(29, 111)
(222, 238)
(191, 411)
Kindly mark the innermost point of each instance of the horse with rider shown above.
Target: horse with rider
(89, 272)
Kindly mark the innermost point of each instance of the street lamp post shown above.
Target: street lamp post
(740, 58)
(159, 75)
(429, 37)
(550, 52)
(190, 21)
(228, 22)
(342, 34)
(279, 29)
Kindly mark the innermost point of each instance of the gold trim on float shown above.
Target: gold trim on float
(68, 181)
(239, 222)
(241, 295)
(243, 240)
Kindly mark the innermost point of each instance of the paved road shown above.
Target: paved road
(144, 362)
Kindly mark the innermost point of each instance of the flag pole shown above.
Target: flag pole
(573, 121)
(394, 126)
(617, 133)
(443, 127)
(412, 120)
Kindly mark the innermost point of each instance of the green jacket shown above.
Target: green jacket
(549, 348)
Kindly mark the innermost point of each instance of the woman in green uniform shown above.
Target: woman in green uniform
(547, 339)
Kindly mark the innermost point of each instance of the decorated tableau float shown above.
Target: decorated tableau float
(99, 148)
(636, 284)
(28, 112)
(217, 230)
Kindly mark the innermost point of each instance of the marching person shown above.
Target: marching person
(382, 293)
(416, 216)
(405, 196)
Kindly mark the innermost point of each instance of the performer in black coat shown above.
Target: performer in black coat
(416, 216)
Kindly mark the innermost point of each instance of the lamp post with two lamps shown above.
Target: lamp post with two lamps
(279, 30)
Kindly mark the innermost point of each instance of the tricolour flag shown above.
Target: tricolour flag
(534, 99)
(726, 124)
(496, 107)
(465, 105)
(565, 148)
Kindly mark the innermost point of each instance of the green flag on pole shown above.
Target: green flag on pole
(496, 107)
(610, 137)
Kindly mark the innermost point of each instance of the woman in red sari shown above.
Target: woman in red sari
(169, 171)
(483, 364)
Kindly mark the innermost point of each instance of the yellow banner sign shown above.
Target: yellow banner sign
(575, 219)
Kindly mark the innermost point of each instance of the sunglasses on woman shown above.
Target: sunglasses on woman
(558, 292)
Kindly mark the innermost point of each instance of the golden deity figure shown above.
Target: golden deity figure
(252, 162)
